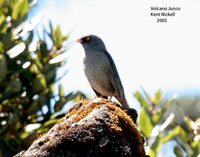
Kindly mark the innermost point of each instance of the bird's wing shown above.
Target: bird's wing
(114, 77)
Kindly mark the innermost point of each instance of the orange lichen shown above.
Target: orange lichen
(129, 123)
(41, 134)
(61, 120)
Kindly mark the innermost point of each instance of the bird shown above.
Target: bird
(101, 70)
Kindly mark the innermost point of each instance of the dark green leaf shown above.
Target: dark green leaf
(3, 68)
(30, 38)
(156, 117)
(157, 97)
(14, 85)
(61, 91)
(145, 123)
(59, 104)
(36, 105)
(155, 148)
(20, 10)
(141, 100)
(196, 148)
(58, 37)
(39, 84)
(177, 151)
(2, 48)
(176, 131)
(3, 24)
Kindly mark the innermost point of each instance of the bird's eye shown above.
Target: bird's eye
(87, 38)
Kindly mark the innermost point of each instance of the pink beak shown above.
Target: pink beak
(79, 40)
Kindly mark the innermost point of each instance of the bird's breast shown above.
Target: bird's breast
(95, 68)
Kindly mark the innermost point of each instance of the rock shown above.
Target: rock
(97, 128)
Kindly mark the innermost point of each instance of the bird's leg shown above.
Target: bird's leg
(123, 102)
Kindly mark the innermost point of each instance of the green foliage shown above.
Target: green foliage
(158, 124)
(20, 10)
(27, 78)
(146, 125)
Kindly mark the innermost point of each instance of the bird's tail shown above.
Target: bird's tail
(130, 111)
(124, 103)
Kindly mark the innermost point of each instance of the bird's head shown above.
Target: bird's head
(92, 42)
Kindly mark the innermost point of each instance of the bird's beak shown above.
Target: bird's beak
(79, 40)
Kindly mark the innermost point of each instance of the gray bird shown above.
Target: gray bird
(100, 70)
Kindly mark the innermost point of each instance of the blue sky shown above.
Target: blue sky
(147, 54)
